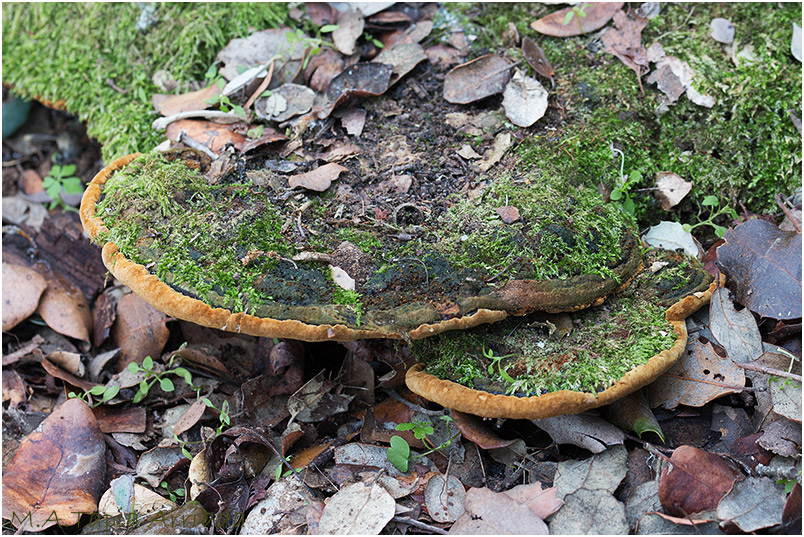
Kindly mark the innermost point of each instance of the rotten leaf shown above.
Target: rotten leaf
(585, 18)
(358, 80)
(22, 288)
(524, 100)
(537, 59)
(477, 79)
(625, 42)
(139, 330)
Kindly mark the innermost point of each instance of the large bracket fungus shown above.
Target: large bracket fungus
(242, 251)
(541, 366)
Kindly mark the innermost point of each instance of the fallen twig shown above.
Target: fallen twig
(222, 117)
(198, 146)
(769, 371)
(420, 525)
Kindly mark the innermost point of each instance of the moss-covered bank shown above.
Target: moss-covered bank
(67, 51)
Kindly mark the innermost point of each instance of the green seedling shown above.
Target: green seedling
(61, 178)
(495, 360)
(224, 420)
(255, 132)
(152, 377)
(312, 45)
(715, 210)
(175, 494)
(576, 11)
(106, 394)
(373, 40)
(279, 473)
(399, 452)
(622, 192)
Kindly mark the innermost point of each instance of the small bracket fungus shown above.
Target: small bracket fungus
(526, 368)
(243, 251)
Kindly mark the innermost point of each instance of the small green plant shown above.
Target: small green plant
(255, 132)
(225, 104)
(61, 177)
(715, 210)
(106, 394)
(622, 192)
(399, 452)
(224, 420)
(373, 40)
(175, 494)
(152, 377)
(312, 44)
(279, 473)
(495, 360)
(576, 11)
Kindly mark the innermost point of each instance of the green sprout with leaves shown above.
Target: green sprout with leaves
(622, 192)
(61, 178)
(224, 420)
(496, 360)
(152, 376)
(576, 11)
(312, 45)
(399, 452)
(175, 494)
(224, 103)
(715, 210)
(105, 393)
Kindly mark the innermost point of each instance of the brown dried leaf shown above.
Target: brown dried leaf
(444, 496)
(139, 330)
(117, 419)
(442, 55)
(699, 376)
(359, 80)
(472, 428)
(64, 308)
(213, 135)
(735, 331)
(696, 483)
(763, 267)
(402, 57)
(477, 79)
(190, 417)
(319, 179)
(357, 508)
(671, 189)
(258, 48)
(543, 502)
(782, 437)
(321, 13)
(597, 15)
(496, 513)
(313, 402)
(536, 58)
(589, 432)
(57, 372)
(104, 313)
(322, 68)
(58, 471)
(349, 30)
(13, 388)
(625, 42)
(22, 288)
(167, 105)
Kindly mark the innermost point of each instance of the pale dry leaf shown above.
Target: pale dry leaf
(282, 497)
(603, 471)
(402, 57)
(444, 497)
(671, 189)
(795, 43)
(199, 474)
(319, 179)
(258, 48)
(502, 143)
(786, 395)
(22, 288)
(671, 236)
(524, 100)
(496, 513)
(543, 502)
(467, 152)
(582, 430)
(590, 512)
(144, 502)
(350, 28)
(66, 310)
(735, 331)
(753, 504)
(358, 508)
(722, 30)
(782, 437)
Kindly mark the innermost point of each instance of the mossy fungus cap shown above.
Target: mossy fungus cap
(454, 306)
(452, 395)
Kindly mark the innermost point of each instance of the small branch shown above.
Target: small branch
(420, 525)
(769, 371)
(222, 117)
(198, 146)
(116, 87)
(25, 350)
(781, 204)
(262, 87)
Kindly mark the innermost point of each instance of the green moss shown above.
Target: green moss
(67, 51)
(364, 240)
(349, 298)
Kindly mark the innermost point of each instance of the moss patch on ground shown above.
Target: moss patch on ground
(745, 149)
(68, 51)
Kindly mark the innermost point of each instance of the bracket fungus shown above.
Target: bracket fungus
(541, 366)
(242, 251)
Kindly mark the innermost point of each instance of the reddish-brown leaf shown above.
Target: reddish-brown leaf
(536, 57)
(22, 288)
(104, 313)
(625, 42)
(64, 308)
(763, 267)
(472, 428)
(13, 388)
(792, 508)
(190, 417)
(358, 80)
(213, 135)
(58, 471)
(697, 481)
(477, 79)
(318, 179)
(167, 105)
(597, 15)
(139, 330)
(117, 419)
(57, 372)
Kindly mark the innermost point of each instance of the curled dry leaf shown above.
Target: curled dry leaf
(625, 42)
(57, 474)
(472, 428)
(139, 330)
(671, 189)
(763, 267)
(696, 483)
(358, 508)
(65, 309)
(589, 432)
(208, 133)
(104, 313)
(13, 388)
(524, 100)
(359, 80)
(536, 58)
(597, 15)
(167, 105)
(319, 179)
(350, 28)
(22, 288)
(477, 79)
(402, 58)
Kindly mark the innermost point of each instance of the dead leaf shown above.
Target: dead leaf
(322, 68)
(671, 236)
(444, 496)
(56, 372)
(297, 100)
(22, 288)
(313, 402)
(13, 388)
(211, 134)
(735, 331)
(674, 77)
(104, 314)
(586, 431)
(321, 13)
(795, 43)
(536, 58)
(696, 481)
(590, 512)
(356, 453)
(782, 437)
(786, 395)
(155, 463)
(502, 143)
(359, 80)
(508, 214)
(496, 513)
(543, 502)
(256, 49)
(472, 428)
(753, 504)
(139, 330)
(625, 42)
(167, 105)
(597, 15)
(358, 508)
(190, 417)
(57, 474)
(524, 100)
(350, 28)
(283, 498)
(402, 58)
(442, 55)
(722, 30)
(353, 121)
(64, 308)
(671, 189)
(477, 79)
(118, 419)
(467, 152)
(699, 376)
(763, 268)
(792, 508)
(603, 471)
(143, 500)
(319, 179)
